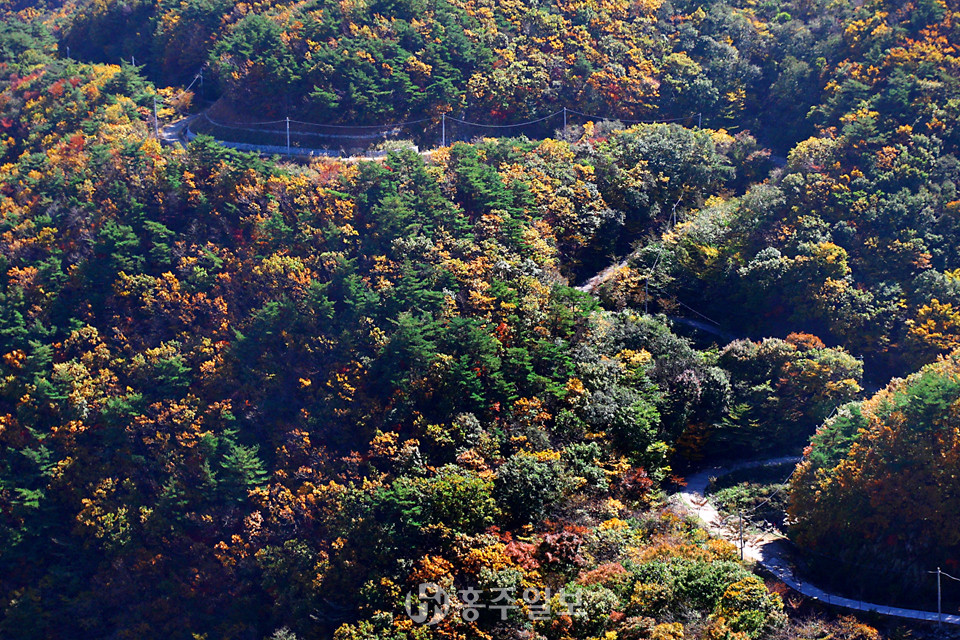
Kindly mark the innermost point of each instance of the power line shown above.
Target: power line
(394, 125)
(949, 576)
(363, 126)
(647, 121)
(245, 126)
(940, 573)
(783, 484)
(285, 132)
(197, 76)
(686, 306)
(237, 125)
(646, 284)
(780, 488)
(380, 131)
(504, 126)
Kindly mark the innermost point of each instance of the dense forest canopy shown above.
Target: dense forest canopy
(247, 398)
(881, 481)
(779, 69)
(853, 240)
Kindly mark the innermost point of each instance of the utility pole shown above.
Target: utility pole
(939, 606)
(156, 121)
(939, 609)
(443, 129)
(288, 135)
(564, 118)
(201, 83)
(740, 514)
(646, 296)
(699, 120)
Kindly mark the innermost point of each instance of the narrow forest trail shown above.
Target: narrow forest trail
(769, 550)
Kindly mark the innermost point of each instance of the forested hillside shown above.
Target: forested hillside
(853, 239)
(881, 482)
(242, 397)
(779, 69)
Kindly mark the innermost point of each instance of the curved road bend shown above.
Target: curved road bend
(768, 550)
(176, 132)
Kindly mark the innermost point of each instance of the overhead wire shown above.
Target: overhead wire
(237, 125)
(247, 126)
(376, 131)
(280, 132)
(685, 305)
(361, 126)
(647, 121)
(196, 77)
(504, 126)
(783, 484)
